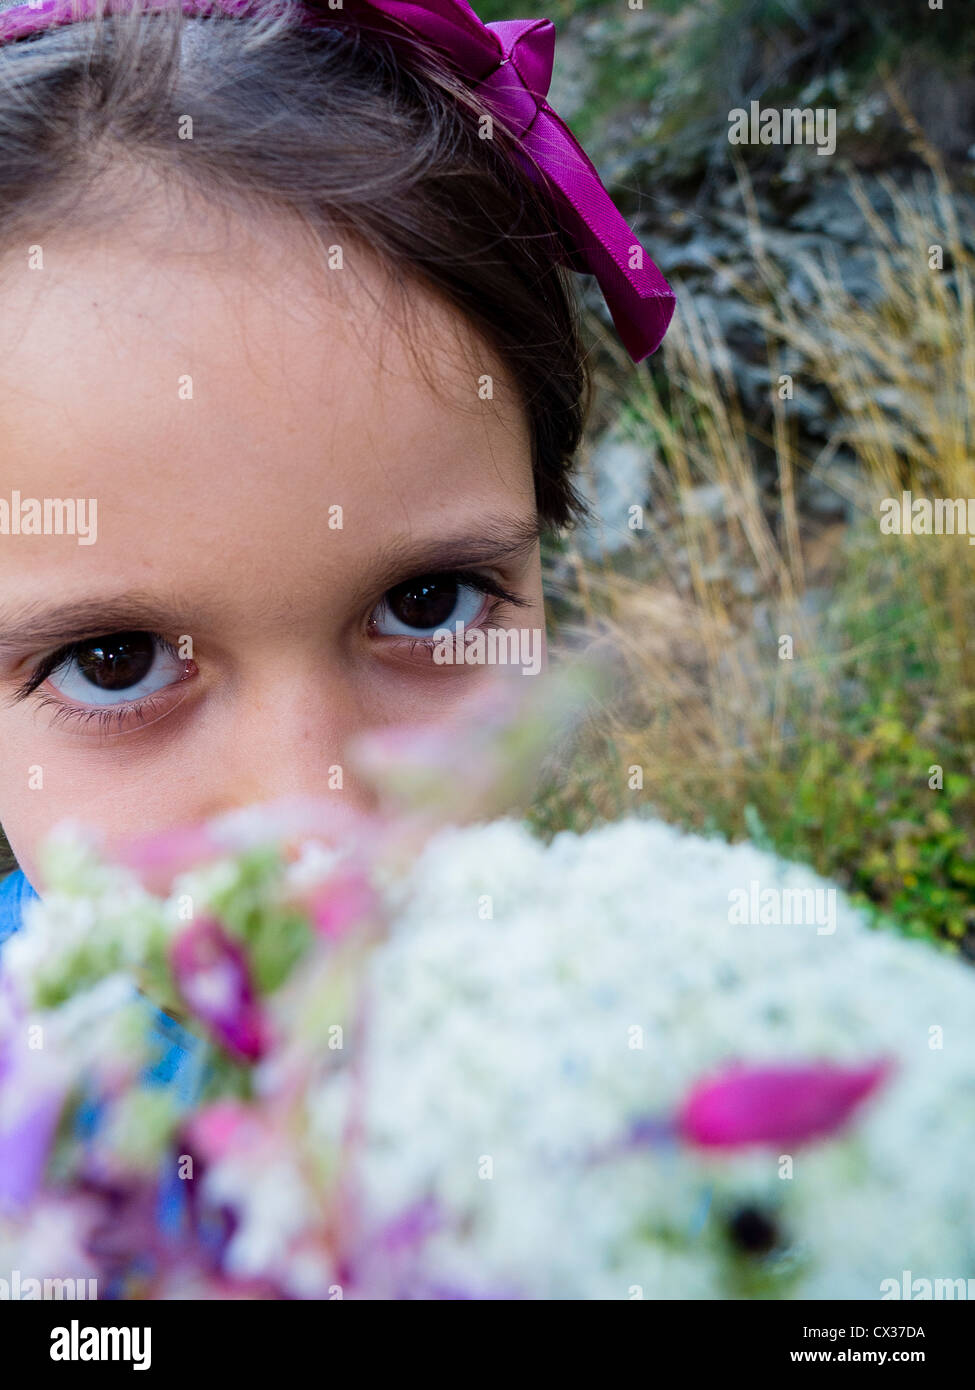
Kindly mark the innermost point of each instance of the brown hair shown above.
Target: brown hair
(350, 131)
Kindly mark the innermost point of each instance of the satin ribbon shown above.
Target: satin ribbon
(509, 66)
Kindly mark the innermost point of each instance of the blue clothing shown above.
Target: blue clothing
(15, 891)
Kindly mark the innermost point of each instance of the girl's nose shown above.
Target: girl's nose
(285, 740)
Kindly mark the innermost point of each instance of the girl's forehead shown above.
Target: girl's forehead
(223, 405)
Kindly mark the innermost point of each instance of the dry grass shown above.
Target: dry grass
(717, 722)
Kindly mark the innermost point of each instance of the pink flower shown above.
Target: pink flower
(217, 1128)
(474, 768)
(775, 1105)
(211, 971)
(341, 904)
(158, 858)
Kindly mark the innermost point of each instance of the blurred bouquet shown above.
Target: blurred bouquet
(401, 1058)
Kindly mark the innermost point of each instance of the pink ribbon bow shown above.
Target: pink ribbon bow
(508, 64)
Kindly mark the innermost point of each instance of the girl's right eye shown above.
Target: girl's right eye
(114, 670)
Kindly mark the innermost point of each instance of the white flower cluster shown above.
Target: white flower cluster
(533, 1000)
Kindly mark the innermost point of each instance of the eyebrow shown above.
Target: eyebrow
(496, 540)
(45, 627)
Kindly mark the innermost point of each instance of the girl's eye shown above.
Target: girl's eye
(421, 606)
(117, 669)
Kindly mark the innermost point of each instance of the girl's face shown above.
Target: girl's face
(277, 511)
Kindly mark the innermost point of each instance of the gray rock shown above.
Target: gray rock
(708, 500)
(618, 479)
(833, 212)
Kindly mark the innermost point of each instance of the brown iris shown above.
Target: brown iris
(117, 662)
(426, 602)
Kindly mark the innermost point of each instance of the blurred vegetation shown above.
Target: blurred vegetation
(679, 67)
(831, 757)
(858, 754)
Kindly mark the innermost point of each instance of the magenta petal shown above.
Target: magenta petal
(211, 971)
(775, 1105)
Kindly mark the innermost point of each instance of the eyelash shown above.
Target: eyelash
(117, 715)
(50, 664)
(105, 717)
(483, 583)
(427, 644)
(123, 714)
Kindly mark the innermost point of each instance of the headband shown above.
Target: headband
(509, 65)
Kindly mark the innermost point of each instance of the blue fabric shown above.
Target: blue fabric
(180, 1061)
(14, 892)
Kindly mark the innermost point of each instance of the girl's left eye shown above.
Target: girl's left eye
(421, 606)
(118, 669)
